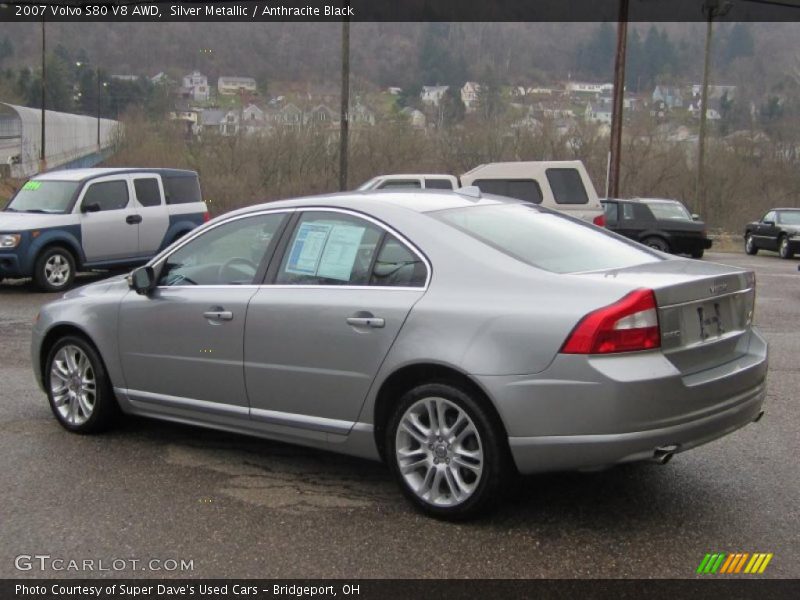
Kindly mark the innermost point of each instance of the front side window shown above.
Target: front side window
(107, 195)
(770, 216)
(147, 191)
(543, 239)
(44, 197)
(567, 186)
(328, 248)
(229, 254)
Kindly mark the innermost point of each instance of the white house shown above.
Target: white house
(229, 86)
(196, 86)
(432, 94)
(599, 113)
(469, 95)
(583, 87)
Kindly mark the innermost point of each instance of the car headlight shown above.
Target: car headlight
(9, 240)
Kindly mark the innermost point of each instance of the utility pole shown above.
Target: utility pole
(344, 123)
(42, 150)
(712, 8)
(619, 96)
(97, 77)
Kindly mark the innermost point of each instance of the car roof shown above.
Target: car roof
(422, 201)
(414, 175)
(84, 174)
(658, 200)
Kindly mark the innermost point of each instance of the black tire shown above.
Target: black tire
(749, 245)
(698, 254)
(105, 409)
(44, 275)
(783, 248)
(488, 436)
(656, 243)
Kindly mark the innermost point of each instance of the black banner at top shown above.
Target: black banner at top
(401, 10)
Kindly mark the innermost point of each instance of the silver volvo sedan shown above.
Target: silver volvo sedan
(458, 338)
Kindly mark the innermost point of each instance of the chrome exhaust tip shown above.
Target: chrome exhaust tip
(758, 417)
(663, 454)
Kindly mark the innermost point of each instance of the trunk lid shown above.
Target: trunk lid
(704, 309)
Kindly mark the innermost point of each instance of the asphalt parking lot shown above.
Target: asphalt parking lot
(241, 507)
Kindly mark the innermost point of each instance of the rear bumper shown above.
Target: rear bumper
(592, 412)
(559, 453)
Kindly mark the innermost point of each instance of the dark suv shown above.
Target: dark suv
(665, 225)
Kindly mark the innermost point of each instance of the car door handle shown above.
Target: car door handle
(218, 315)
(375, 322)
(133, 219)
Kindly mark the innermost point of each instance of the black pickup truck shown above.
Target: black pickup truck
(665, 225)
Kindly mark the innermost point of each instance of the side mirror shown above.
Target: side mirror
(142, 280)
(695, 217)
(90, 208)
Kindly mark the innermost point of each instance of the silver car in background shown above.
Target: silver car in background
(458, 338)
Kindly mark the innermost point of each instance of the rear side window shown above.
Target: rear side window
(438, 184)
(182, 190)
(567, 186)
(612, 211)
(400, 184)
(108, 195)
(147, 192)
(543, 239)
(397, 266)
(527, 190)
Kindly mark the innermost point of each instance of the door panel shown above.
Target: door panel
(155, 218)
(303, 358)
(168, 346)
(113, 231)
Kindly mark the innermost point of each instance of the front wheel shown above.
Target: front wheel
(656, 243)
(749, 245)
(54, 270)
(446, 452)
(783, 248)
(78, 387)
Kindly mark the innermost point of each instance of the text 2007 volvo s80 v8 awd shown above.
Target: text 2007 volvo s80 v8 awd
(458, 338)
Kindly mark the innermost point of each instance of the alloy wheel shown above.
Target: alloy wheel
(439, 452)
(73, 385)
(57, 270)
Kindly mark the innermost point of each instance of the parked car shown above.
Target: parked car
(559, 185)
(665, 225)
(778, 230)
(61, 222)
(411, 182)
(564, 186)
(457, 338)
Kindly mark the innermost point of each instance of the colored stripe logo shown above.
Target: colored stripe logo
(733, 563)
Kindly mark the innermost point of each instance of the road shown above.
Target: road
(241, 507)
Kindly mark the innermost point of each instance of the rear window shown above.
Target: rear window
(545, 240)
(567, 186)
(439, 184)
(527, 190)
(182, 190)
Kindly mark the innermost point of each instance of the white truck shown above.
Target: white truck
(564, 186)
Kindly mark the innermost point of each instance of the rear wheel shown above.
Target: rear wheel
(656, 243)
(78, 387)
(783, 247)
(750, 245)
(54, 270)
(445, 451)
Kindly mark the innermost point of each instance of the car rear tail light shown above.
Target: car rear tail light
(599, 220)
(628, 325)
(206, 217)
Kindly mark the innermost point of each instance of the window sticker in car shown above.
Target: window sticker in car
(340, 252)
(32, 185)
(307, 248)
